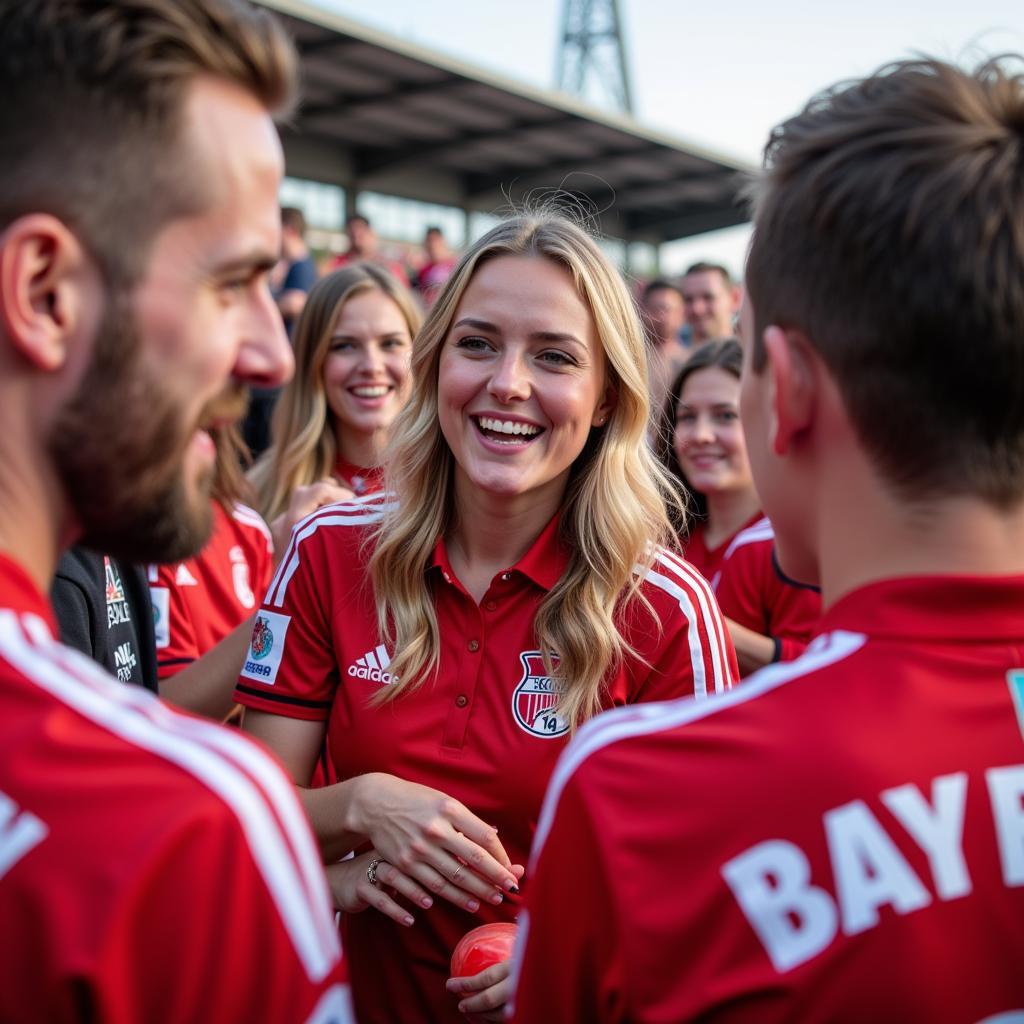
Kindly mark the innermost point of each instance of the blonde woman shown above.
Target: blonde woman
(449, 636)
(353, 343)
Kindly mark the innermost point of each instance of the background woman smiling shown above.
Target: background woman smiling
(510, 586)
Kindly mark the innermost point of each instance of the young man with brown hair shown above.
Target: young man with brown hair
(152, 866)
(842, 838)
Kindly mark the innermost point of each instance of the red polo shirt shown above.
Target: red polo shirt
(753, 592)
(122, 823)
(707, 561)
(837, 839)
(196, 603)
(482, 731)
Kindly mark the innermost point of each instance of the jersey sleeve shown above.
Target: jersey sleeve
(685, 649)
(570, 962)
(290, 667)
(176, 642)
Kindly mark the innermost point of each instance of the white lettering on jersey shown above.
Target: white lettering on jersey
(1006, 792)
(20, 831)
(938, 828)
(793, 919)
(266, 647)
(868, 868)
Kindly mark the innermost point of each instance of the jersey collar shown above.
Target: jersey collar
(975, 608)
(544, 563)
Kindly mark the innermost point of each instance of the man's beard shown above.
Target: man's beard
(119, 447)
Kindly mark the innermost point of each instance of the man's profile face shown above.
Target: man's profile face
(709, 305)
(130, 446)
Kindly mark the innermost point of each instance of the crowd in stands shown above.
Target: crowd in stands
(678, 622)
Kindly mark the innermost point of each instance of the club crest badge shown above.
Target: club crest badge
(262, 638)
(534, 699)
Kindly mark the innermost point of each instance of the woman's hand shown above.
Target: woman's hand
(353, 892)
(304, 500)
(433, 839)
(485, 994)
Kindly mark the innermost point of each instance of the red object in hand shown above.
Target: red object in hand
(480, 948)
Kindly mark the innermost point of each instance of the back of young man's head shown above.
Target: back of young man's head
(889, 230)
(93, 96)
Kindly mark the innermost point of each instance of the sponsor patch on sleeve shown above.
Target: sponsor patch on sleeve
(161, 615)
(263, 658)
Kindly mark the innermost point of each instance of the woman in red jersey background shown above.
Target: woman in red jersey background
(353, 344)
(727, 538)
(448, 635)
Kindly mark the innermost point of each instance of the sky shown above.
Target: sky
(718, 76)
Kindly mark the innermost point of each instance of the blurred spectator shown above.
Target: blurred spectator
(300, 271)
(662, 307)
(363, 248)
(711, 301)
(440, 263)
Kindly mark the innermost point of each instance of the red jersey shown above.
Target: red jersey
(707, 561)
(196, 603)
(837, 839)
(122, 823)
(752, 591)
(484, 731)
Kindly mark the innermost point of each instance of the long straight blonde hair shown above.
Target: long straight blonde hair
(304, 448)
(613, 513)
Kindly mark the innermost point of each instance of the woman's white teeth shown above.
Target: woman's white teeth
(508, 427)
(376, 391)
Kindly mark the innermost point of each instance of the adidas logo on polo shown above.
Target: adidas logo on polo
(373, 666)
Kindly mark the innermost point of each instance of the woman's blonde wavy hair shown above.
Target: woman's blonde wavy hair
(304, 449)
(613, 513)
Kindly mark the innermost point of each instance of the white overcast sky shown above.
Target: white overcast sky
(717, 75)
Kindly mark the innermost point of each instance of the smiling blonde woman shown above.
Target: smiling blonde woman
(448, 637)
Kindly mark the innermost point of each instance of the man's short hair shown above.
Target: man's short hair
(710, 268)
(660, 284)
(889, 229)
(91, 121)
(357, 218)
(292, 217)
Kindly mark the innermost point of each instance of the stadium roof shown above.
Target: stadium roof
(385, 115)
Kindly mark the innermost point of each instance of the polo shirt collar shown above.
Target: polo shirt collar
(544, 562)
(969, 608)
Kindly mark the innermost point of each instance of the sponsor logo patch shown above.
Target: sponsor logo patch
(266, 647)
(160, 596)
(534, 699)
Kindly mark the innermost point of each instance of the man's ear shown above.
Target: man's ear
(45, 293)
(791, 363)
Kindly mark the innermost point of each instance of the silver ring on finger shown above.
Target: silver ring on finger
(457, 872)
(371, 871)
